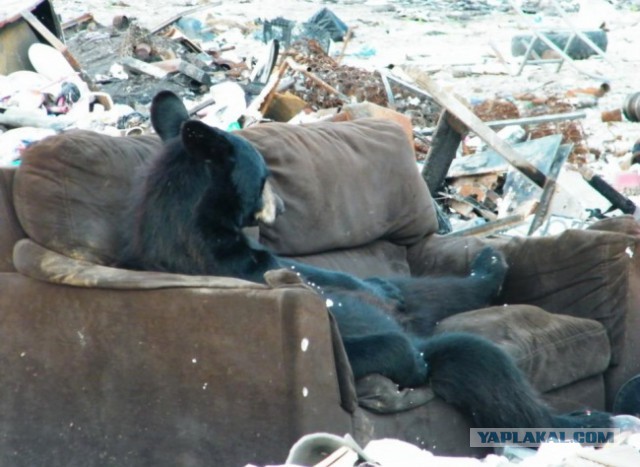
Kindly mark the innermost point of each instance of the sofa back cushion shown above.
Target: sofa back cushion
(71, 192)
(10, 230)
(344, 185)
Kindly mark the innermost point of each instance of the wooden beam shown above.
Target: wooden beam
(535, 120)
(473, 122)
(444, 145)
(51, 38)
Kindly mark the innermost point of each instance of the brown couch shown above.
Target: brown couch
(103, 366)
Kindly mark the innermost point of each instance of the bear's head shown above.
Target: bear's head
(226, 176)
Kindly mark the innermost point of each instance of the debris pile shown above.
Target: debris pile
(235, 73)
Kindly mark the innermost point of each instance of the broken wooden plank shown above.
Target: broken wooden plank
(195, 73)
(464, 114)
(145, 68)
(202, 105)
(297, 67)
(543, 210)
(52, 39)
(465, 205)
(177, 17)
(84, 18)
(341, 457)
(536, 120)
(444, 145)
(171, 65)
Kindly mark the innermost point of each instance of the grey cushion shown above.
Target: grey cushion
(344, 185)
(72, 192)
(552, 349)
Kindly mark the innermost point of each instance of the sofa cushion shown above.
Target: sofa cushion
(379, 258)
(343, 184)
(10, 230)
(553, 350)
(72, 190)
(583, 273)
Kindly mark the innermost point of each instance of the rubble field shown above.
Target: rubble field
(511, 136)
(373, 57)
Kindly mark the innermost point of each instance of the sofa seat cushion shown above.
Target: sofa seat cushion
(553, 350)
(380, 258)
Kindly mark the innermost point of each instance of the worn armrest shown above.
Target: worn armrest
(164, 374)
(583, 273)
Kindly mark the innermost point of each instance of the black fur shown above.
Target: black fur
(207, 185)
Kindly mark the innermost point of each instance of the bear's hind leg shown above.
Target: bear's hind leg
(389, 354)
(476, 375)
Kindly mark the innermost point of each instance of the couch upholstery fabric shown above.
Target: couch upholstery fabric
(317, 167)
(146, 368)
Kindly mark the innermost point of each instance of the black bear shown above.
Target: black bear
(207, 185)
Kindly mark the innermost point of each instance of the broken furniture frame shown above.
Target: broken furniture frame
(454, 122)
(531, 57)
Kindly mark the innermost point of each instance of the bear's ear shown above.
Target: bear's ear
(168, 113)
(207, 143)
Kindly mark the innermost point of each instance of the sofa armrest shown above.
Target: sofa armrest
(583, 273)
(163, 376)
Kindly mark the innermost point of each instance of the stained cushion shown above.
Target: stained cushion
(72, 191)
(552, 349)
(583, 273)
(343, 184)
(380, 258)
(10, 231)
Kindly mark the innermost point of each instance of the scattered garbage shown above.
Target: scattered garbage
(329, 450)
(631, 107)
(574, 47)
(494, 161)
